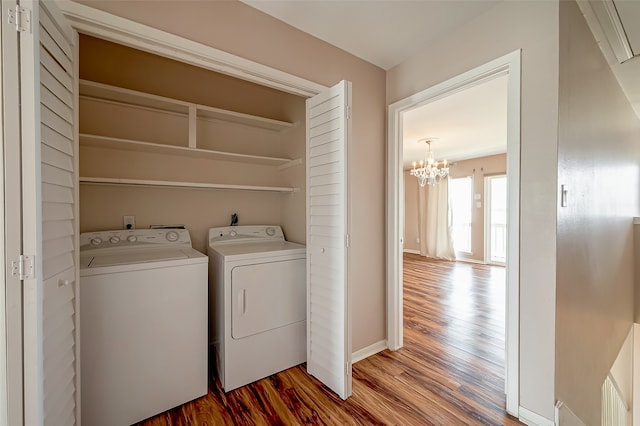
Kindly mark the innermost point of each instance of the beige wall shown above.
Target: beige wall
(533, 27)
(103, 207)
(598, 161)
(477, 168)
(238, 29)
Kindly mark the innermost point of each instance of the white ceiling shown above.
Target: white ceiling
(382, 32)
(467, 124)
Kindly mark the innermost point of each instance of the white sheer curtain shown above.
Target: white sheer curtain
(434, 221)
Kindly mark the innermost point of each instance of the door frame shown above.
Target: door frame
(11, 395)
(487, 219)
(509, 64)
(87, 20)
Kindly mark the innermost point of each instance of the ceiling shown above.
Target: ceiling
(610, 27)
(467, 124)
(386, 32)
(382, 32)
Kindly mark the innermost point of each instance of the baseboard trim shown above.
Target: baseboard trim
(530, 418)
(462, 259)
(411, 251)
(363, 353)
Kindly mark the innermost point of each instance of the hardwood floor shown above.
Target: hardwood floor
(450, 371)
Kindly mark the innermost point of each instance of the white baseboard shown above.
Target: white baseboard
(363, 353)
(530, 418)
(411, 251)
(462, 259)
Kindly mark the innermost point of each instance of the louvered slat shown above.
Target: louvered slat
(54, 68)
(56, 158)
(328, 345)
(58, 228)
(53, 46)
(56, 211)
(55, 104)
(56, 193)
(54, 86)
(57, 176)
(58, 246)
(55, 122)
(58, 207)
(56, 141)
(51, 265)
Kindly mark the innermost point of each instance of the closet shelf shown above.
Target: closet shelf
(140, 146)
(291, 163)
(176, 184)
(105, 92)
(99, 91)
(203, 111)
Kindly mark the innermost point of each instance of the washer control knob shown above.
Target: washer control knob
(132, 238)
(96, 241)
(114, 240)
(270, 231)
(233, 233)
(172, 236)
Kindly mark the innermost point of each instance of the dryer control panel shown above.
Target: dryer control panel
(245, 233)
(134, 238)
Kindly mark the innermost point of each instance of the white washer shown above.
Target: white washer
(143, 324)
(258, 310)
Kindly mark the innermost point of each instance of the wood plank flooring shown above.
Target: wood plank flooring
(450, 371)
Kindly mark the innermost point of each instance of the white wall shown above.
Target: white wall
(533, 27)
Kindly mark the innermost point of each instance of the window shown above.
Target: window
(461, 202)
(496, 200)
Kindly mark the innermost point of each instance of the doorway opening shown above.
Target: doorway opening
(508, 65)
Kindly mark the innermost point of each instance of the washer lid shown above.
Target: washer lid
(131, 257)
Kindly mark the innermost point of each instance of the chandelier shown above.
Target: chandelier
(429, 171)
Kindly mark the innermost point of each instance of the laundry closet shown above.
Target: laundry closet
(175, 144)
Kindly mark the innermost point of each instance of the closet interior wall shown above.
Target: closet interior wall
(102, 207)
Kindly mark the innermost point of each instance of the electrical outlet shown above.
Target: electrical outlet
(129, 222)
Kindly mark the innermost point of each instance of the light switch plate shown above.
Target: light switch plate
(563, 195)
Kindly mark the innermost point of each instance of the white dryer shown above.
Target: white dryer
(257, 307)
(143, 324)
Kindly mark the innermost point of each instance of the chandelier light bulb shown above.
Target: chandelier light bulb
(429, 171)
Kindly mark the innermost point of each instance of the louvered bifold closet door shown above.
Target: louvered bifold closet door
(328, 319)
(58, 218)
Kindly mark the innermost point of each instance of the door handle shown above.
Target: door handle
(242, 301)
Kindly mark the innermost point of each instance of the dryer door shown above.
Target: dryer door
(265, 296)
